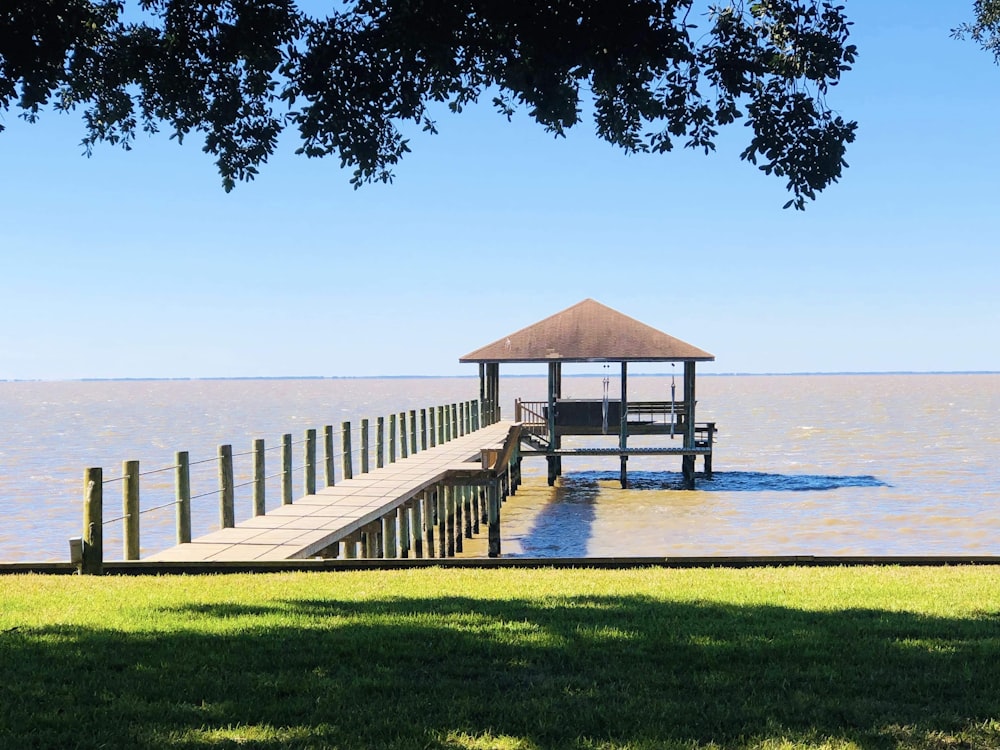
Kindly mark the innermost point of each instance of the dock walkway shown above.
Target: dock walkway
(315, 522)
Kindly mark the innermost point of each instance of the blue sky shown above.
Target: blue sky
(139, 265)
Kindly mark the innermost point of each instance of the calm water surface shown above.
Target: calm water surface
(845, 464)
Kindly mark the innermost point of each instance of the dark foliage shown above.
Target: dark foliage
(660, 73)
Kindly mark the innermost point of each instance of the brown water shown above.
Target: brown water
(831, 464)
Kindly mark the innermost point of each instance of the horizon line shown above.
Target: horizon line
(475, 376)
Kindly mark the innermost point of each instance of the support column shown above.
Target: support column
(483, 398)
(623, 426)
(553, 460)
(687, 463)
(493, 506)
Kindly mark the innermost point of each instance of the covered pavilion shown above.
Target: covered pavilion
(591, 332)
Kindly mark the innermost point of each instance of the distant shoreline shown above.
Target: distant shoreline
(512, 375)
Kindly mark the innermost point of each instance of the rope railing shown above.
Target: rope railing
(383, 441)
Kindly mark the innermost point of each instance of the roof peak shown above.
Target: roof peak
(588, 331)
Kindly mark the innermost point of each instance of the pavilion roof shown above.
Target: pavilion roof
(588, 332)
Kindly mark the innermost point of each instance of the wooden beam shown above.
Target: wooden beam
(623, 426)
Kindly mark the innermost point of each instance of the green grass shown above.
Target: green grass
(826, 659)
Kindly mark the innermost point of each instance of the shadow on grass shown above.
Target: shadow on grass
(600, 671)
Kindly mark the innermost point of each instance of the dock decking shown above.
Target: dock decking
(337, 513)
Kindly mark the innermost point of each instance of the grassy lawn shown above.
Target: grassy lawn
(763, 658)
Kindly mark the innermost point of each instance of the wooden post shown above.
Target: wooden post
(227, 492)
(467, 506)
(416, 526)
(371, 542)
(93, 522)
(442, 521)
(449, 500)
(413, 431)
(345, 431)
(310, 462)
(623, 427)
(429, 503)
(553, 471)
(403, 518)
(364, 446)
(474, 502)
(708, 456)
(392, 438)
(259, 505)
(461, 419)
(389, 535)
(493, 511)
(493, 375)
(286, 469)
(423, 429)
(380, 442)
(475, 415)
(687, 463)
(329, 465)
(130, 509)
(488, 395)
(403, 442)
(454, 422)
(351, 547)
(182, 494)
(482, 391)
(440, 416)
(433, 431)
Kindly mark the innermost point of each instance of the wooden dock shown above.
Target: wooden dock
(388, 512)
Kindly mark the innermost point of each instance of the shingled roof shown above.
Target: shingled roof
(588, 332)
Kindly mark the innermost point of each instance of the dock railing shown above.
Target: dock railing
(534, 414)
(437, 425)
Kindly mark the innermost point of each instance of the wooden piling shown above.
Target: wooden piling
(416, 526)
(430, 503)
(467, 505)
(310, 462)
(413, 431)
(329, 464)
(380, 442)
(364, 446)
(404, 451)
(423, 429)
(389, 536)
(286, 469)
(93, 522)
(345, 431)
(259, 504)
(130, 509)
(708, 456)
(458, 494)
(440, 419)
(403, 519)
(442, 521)
(392, 438)
(493, 511)
(227, 490)
(182, 494)
(433, 430)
